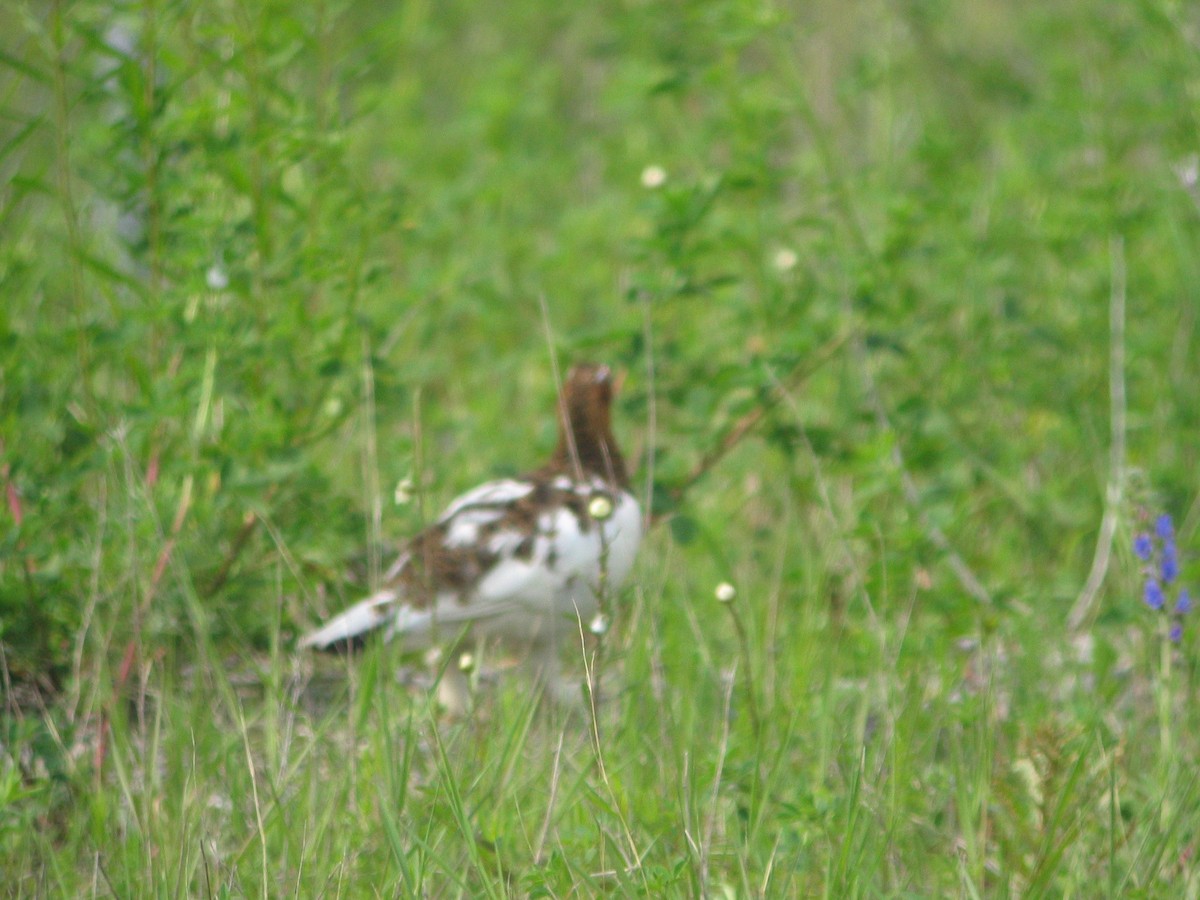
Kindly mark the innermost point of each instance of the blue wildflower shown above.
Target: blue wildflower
(1160, 555)
(1164, 527)
(1154, 594)
(1142, 547)
(1170, 562)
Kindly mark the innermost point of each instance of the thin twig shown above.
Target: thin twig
(249, 522)
(651, 412)
(370, 464)
(1114, 493)
(705, 846)
(555, 776)
(598, 627)
(78, 682)
(164, 556)
(750, 420)
(591, 682)
(601, 769)
(748, 662)
(11, 709)
(563, 416)
(258, 817)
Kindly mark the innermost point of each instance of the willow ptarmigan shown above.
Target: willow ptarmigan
(519, 560)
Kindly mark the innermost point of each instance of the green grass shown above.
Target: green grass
(262, 262)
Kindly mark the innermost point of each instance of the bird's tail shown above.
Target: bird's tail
(348, 627)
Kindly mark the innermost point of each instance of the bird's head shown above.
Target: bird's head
(585, 422)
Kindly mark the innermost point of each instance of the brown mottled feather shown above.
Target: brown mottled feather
(586, 446)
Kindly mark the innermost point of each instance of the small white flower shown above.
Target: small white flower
(216, 278)
(1189, 171)
(653, 177)
(725, 592)
(600, 508)
(466, 663)
(403, 492)
(785, 259)
(599, 624)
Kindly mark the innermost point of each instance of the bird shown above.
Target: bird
(522, 562)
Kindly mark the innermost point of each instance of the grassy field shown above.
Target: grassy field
(267, 268)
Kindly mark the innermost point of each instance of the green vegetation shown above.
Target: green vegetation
(261, 262)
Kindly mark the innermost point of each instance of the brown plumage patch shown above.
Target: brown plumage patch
(586, 445)
(435, 568)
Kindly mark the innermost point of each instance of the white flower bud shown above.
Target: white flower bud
(216, 278)
(653, 177)
(600, 507)
(403, 493)
(785, 259)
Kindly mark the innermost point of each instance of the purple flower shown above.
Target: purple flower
(1160, 591)
(1163, 527)
(1142, 547)
(1170, 562)
(1154, 594)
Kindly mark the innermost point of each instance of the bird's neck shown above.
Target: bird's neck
(586, 450)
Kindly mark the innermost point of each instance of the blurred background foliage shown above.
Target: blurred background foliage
(263, 265)
(260, 263)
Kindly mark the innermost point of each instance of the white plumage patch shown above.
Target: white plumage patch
(540, 579)
(364, 616)
(505, 543)
(493, 493)
(465, 525)
(522, 598)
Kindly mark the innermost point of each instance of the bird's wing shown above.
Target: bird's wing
(505, 547)
(444, 559)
